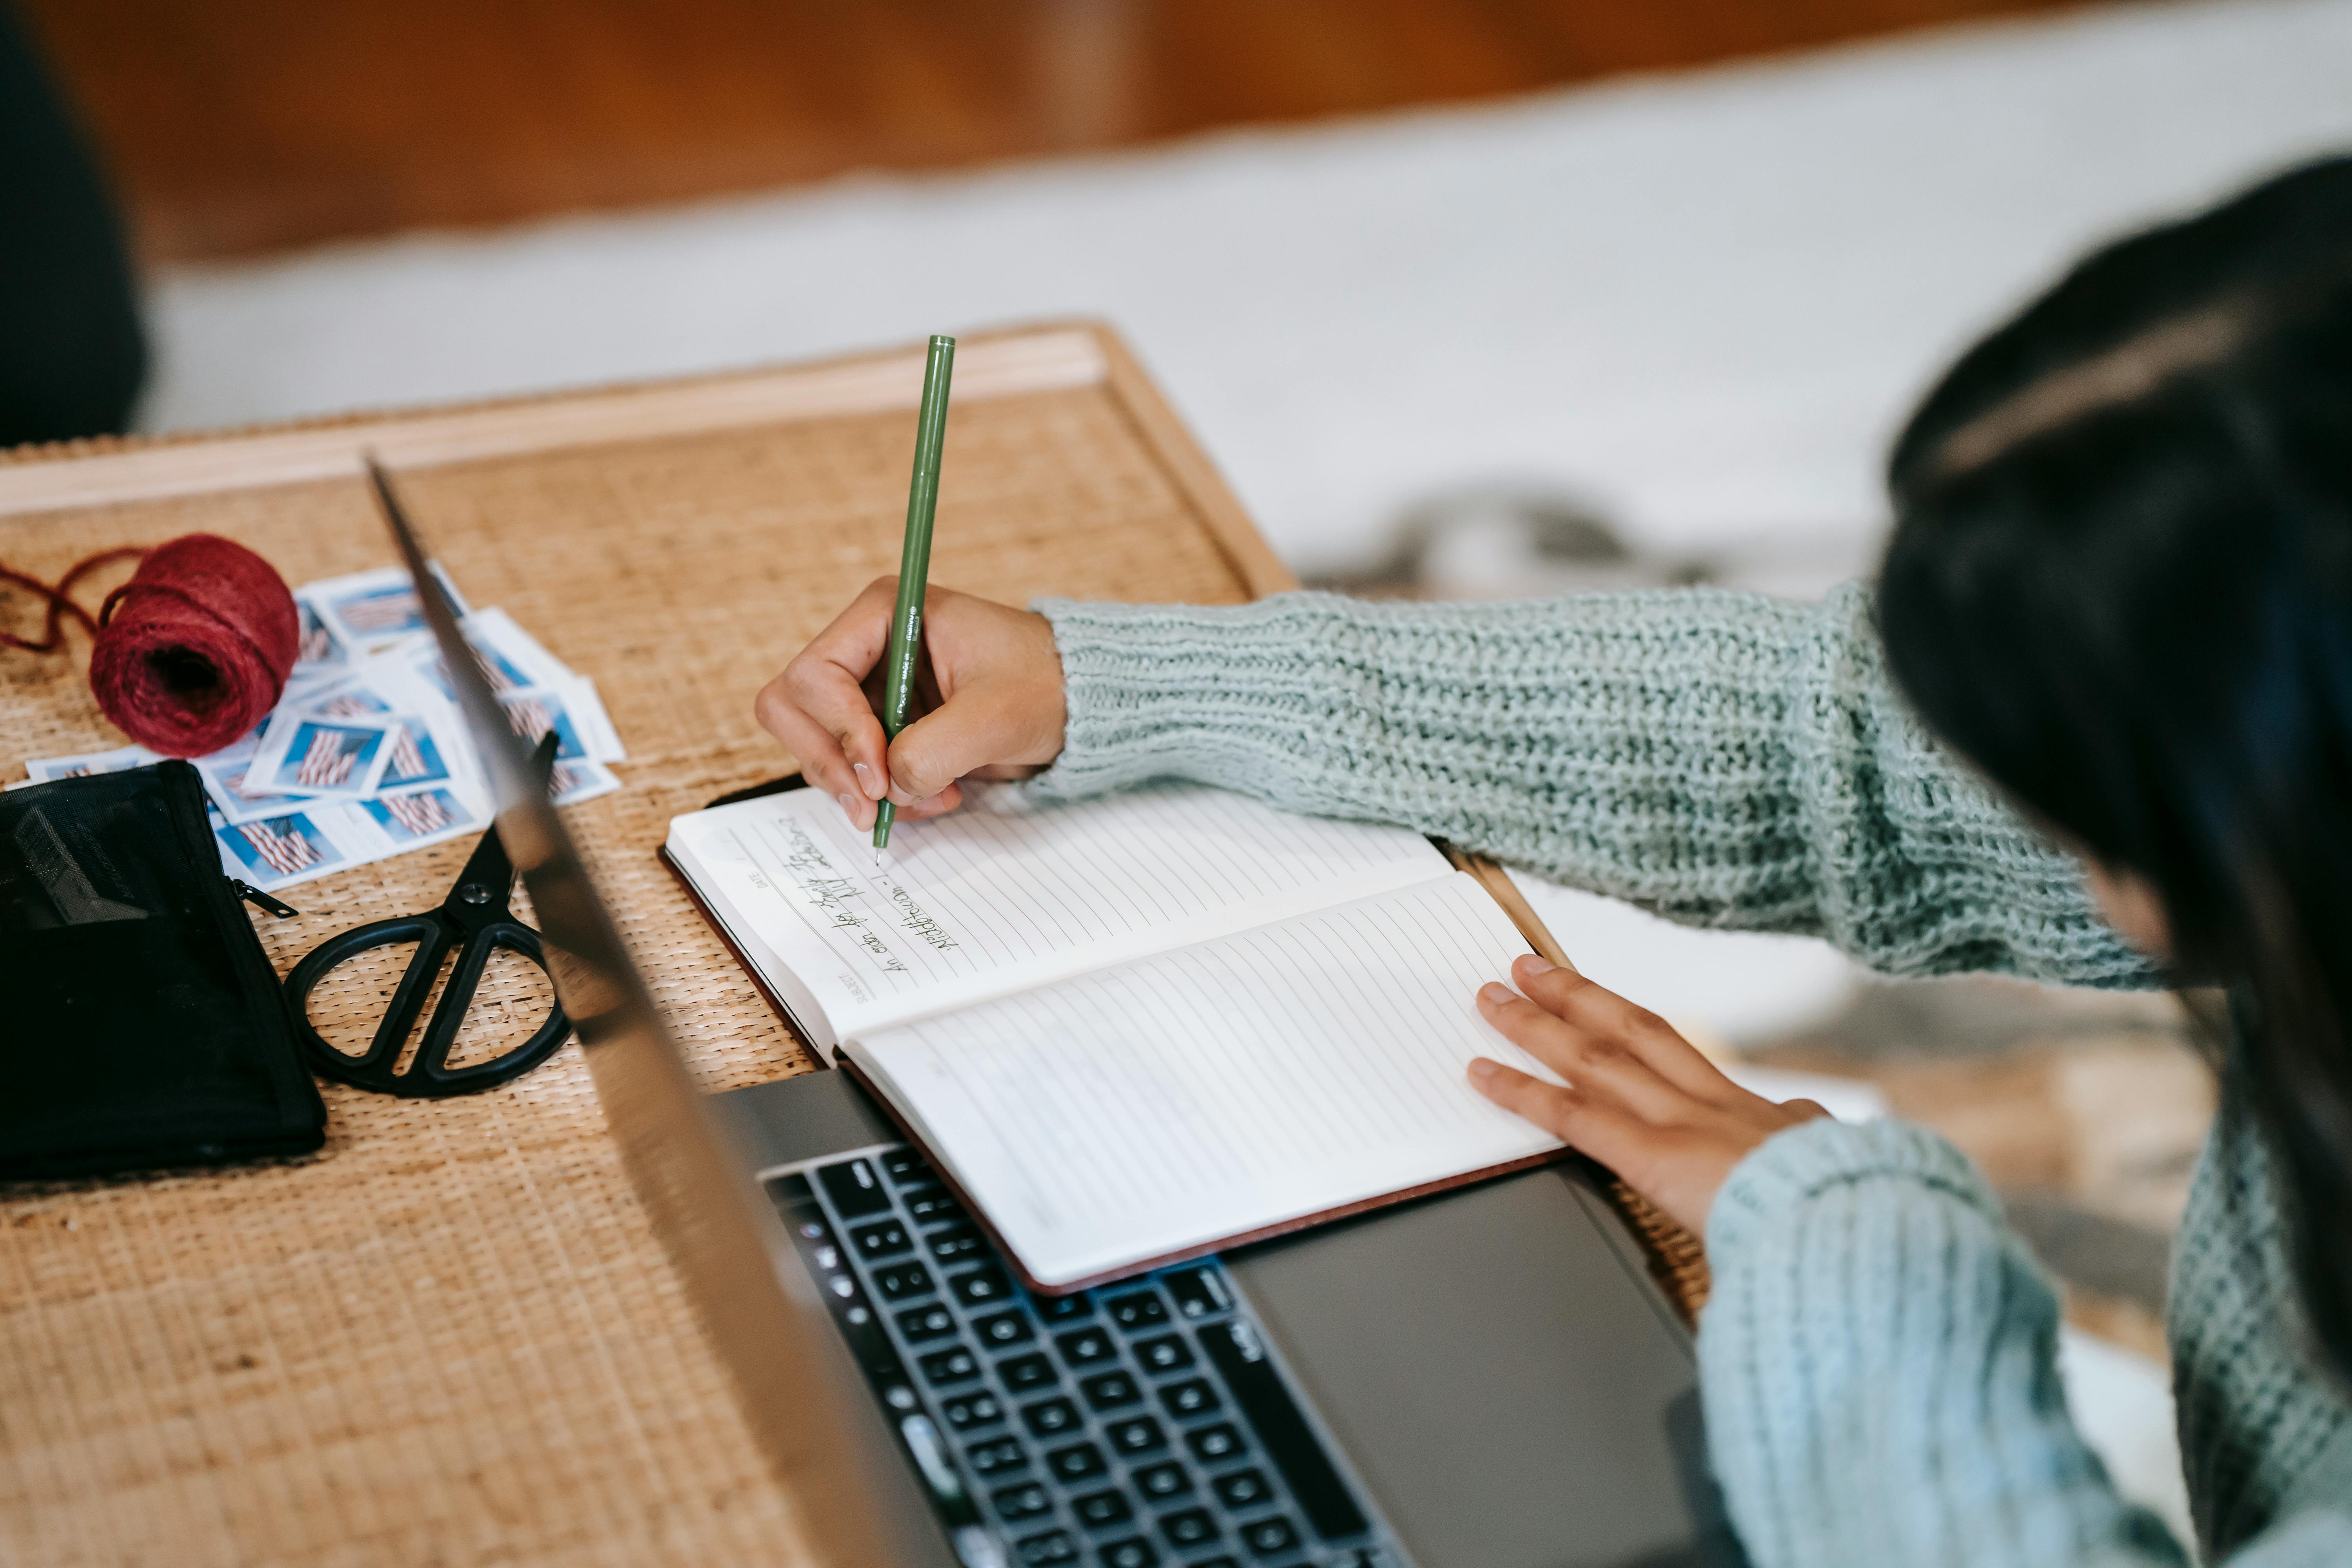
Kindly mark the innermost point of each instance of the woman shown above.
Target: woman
(2120, 589)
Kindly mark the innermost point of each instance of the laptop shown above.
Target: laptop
(1484, 1379)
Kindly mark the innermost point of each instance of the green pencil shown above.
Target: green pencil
(913, 561)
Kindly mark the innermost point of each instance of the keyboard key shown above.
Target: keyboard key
(982, 1287)
(881, 1239)
(1199, 1293)
(1268, 1536)
(1004, 1329)
(1054, 1546)
(920, 1323)
(1109, 1390)
(1025, 1374)
(854, 1188)
(1193, 1396)
(901, 1280)
(933, 1205)
(1050, 1417)
(1065, 1309)
(1135, 1553)
(1026, 1500)
(1191, 1526)
(1087, 1347)
(1211, 1444)
(1138, 1435)
(905, 1167)
(949, 1366)
(1167, 1354)
(956, 1244)
(1160, 1482)
(1241, 1490)
(1078, 1462)
(997, 1455)
(973, 1410)
(1142, 1309)
(1101, 1510)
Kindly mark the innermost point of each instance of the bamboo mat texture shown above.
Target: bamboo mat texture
(450, 1337)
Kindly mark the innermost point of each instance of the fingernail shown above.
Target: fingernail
(1534, 963)
(1496, 996)
(849, 808)
(866, 781)
(1481, 1067)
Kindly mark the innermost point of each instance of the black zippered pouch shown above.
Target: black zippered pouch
(141, 1022)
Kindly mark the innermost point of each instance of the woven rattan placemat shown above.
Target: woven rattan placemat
(450, 1338)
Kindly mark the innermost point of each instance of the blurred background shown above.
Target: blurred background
(1468, 296)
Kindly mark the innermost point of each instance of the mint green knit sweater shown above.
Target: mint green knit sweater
(1877, 1357)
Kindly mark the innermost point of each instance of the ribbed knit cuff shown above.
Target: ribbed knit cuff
(1804, 1162)
(1206, 692)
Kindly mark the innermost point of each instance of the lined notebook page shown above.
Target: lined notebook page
(999, 897)
(1201, 1095)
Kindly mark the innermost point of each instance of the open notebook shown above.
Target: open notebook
(1135, 1028)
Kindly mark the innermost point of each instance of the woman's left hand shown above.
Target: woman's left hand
(1642, 1099)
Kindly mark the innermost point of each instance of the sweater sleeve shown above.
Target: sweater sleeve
(1721, 759)
(1878, 1366)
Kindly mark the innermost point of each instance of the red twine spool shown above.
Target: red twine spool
(194, 650)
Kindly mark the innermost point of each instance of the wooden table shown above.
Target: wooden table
(450, 1338)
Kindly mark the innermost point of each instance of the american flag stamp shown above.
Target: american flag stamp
(370, 609)
(278, 850)
(418, 756)
(502, 673)
(351, 698)
(42, 770)
(532, 713)
(321, 649)
(307, 754)
(224, 774)
(420, 750)
(420, 816)
(567, 784)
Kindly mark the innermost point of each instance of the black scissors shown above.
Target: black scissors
(475, 920)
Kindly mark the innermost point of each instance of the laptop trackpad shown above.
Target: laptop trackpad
(1505, 1387)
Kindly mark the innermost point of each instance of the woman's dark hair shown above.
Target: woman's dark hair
(2121, 584)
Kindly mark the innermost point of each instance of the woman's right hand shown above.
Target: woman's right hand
(987, 690)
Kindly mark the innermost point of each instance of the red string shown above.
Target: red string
(60, 601)
(194, 649)
(200, 650)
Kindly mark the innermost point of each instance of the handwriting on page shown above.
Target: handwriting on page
(996, 887)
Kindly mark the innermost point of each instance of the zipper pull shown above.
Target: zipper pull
(254, 896)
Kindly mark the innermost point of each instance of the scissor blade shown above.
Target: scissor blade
(490, 870)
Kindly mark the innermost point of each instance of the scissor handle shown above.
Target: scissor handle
(428, 1075)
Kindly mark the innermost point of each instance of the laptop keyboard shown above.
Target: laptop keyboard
(1140, 1426)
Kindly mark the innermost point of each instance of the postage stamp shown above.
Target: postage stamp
(418, 817)
(571, 782)
(532, 713)
(370, 609)
(303, 754)
(278, 851)
(321, 650)
(44, 770)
